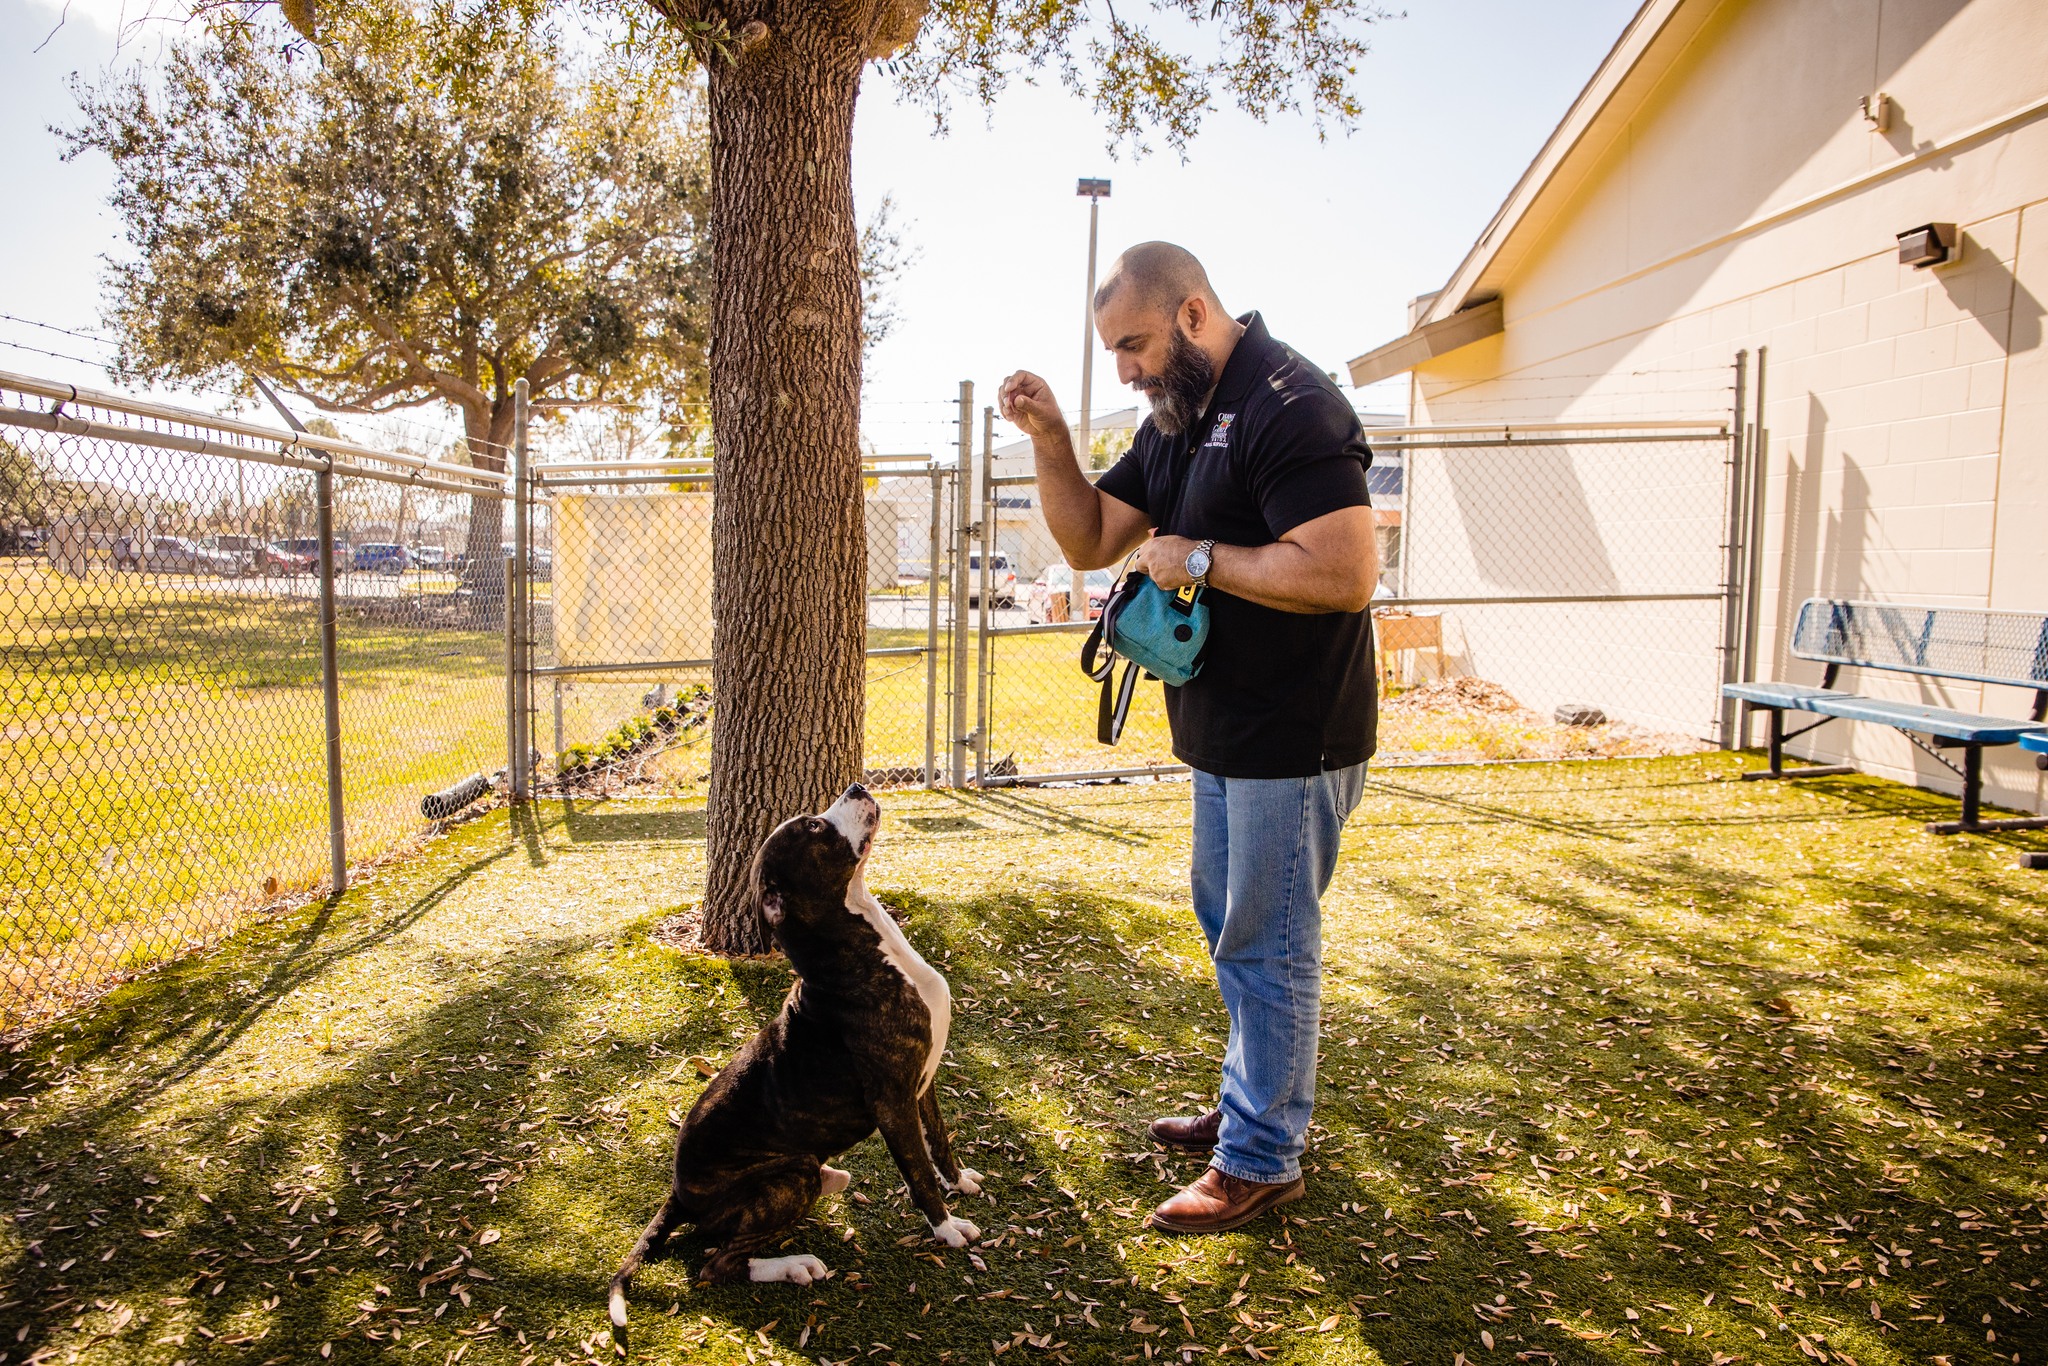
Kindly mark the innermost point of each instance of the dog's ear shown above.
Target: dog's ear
(771, 908)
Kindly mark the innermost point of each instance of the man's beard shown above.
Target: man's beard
(1176, 396)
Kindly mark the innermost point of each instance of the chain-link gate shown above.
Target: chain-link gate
(618, 601)
(1547, 590)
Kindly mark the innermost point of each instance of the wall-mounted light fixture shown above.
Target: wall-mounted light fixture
(1877, 111)
(1930, 244)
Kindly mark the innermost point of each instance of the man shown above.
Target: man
(1249, 479)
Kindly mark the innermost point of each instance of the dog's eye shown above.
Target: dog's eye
(815, 825)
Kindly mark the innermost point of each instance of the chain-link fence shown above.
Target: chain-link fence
(238, 657)
(166, 654)
(1578, 570)
(1546, 591)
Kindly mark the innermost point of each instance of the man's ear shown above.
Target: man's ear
(771, 907)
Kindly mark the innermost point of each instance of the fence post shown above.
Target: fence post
(515, 602)
(511, 686)
(330, 682)
(963, 532)
(981, 622)
(1759, 462)
(931, 631)
(558, 729)
(1733, 558)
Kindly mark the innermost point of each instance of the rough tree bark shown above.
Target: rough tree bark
(788, 547)
(488, 434)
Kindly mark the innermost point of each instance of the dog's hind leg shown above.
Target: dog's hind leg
(756, 1214)
(940, 1145)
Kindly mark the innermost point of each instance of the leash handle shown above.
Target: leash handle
(1115, 706)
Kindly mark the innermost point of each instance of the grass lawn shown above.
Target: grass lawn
(166, 771)
(1621, 1059)
(163, 747)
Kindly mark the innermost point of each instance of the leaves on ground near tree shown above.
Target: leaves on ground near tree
(1558, 1121)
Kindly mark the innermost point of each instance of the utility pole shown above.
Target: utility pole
(1096, 191)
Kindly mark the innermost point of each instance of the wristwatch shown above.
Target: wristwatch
(1198, 563)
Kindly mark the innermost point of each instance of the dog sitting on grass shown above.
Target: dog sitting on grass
(854, 1049)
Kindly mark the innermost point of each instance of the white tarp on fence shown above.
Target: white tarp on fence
(632, 578)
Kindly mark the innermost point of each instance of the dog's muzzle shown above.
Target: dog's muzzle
(855, 815)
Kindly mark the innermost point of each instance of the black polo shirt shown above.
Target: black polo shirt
(1281, 694)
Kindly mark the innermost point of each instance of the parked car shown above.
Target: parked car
(1002, 581)
(172, 555)
(1051, 594)
(242, 548)
(432, 558)
(380, 557)
(300, 555)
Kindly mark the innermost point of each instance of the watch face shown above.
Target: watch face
(1198, 564)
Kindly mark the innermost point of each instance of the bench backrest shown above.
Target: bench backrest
(1943, 642)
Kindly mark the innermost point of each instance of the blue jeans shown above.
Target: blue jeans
(1265, 849)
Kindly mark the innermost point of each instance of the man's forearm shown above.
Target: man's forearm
(1072, 507)
(1282, 576)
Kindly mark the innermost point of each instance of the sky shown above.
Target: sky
(1328, 238)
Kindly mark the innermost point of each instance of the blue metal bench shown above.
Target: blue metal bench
(2009, 648)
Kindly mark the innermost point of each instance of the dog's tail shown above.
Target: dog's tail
(658, 1228)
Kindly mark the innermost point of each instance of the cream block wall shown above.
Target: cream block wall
(1906, 411)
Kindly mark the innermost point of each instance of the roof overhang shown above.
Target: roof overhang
(1428, 341)
(1640, 56)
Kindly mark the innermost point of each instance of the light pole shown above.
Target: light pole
(1096, 191)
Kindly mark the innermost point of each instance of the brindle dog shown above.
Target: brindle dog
(854, 1049)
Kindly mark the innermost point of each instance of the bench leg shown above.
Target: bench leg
(2033, 860)
(1973, 805)
(1777, 768)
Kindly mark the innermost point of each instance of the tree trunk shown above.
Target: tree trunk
(789, 598)
(488, 433)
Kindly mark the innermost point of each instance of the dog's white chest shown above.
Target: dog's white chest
(931, 987)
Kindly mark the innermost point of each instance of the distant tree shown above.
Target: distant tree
(441, 200)
(1106, 448)
(26, 489)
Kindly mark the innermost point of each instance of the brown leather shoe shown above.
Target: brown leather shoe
(1190, 1135)
(1217, 1203)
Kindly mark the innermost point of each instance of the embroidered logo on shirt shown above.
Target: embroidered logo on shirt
(1220, 434)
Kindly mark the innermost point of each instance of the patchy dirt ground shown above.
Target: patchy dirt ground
(1472, 720)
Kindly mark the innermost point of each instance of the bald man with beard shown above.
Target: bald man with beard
(1248, 478)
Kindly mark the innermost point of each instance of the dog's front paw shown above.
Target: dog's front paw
(801, 1269)
(969, 1182)
(955, 1232)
